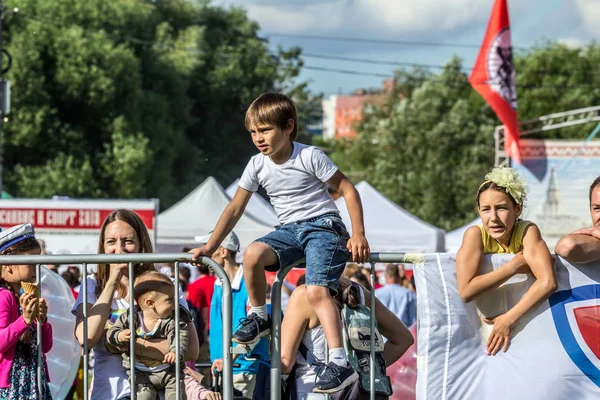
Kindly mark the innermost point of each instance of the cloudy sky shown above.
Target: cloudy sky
(440, 28)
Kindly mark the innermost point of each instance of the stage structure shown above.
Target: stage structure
(559, 172)
(543, 124)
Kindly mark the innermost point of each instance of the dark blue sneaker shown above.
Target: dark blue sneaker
(252, 329)
(334, 378)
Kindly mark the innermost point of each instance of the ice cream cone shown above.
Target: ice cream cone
(30, 287)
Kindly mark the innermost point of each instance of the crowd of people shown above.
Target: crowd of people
(201, 321)
(318, 306)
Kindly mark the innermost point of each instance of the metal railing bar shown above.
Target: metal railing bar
(141, 258)
(40, 353)
(276, 332)
(85, 332)
(388, 258)
(372, 339)
(132, 334)
(177, 330)
(227, 328)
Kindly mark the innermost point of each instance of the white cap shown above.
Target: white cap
(231, 241)
(15, 235)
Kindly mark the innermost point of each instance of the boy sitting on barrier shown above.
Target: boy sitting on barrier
(500, 201)
(295, 176)
(154, 318)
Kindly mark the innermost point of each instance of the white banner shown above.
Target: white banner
(554, 352)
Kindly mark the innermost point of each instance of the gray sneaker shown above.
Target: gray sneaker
(252, 329)
(334, 378)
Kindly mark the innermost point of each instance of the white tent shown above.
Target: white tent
(454, 238)
(258, 207)
(390, 228)
(197, 214)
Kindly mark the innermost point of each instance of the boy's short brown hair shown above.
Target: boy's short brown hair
(272, 108)
(148, 283)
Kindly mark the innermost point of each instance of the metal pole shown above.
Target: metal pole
(227, 329)
(177, 329)
(40, 354)
(132, 331)
(276, 332)
(387, 257)
(138, 258)
(372, 339)
(85, 333)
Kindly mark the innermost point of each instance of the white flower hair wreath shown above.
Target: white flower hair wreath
(509, 179)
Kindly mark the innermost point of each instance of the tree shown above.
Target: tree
(235, 69)
(429, 146)
(426, 146)
(554, 78)
(134, 98)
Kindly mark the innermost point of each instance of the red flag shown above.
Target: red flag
(493, 76)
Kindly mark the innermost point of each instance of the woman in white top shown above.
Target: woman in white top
(302, 325)
(123, 231)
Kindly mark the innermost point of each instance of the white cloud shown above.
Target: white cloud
(295, 20)
(589, 11)
(571, 42)
(414, 16)
(385, 17)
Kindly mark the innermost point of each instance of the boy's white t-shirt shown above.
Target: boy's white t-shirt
(110, 380)
(298, 187)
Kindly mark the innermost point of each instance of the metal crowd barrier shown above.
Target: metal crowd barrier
(176, 258)
(131, 259)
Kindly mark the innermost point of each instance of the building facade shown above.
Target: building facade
(341, 113)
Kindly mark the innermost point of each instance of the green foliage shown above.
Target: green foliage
(425, 147)
(125, 160)
(134, 98)
(555, 78)
(429, 146)
(63, 174)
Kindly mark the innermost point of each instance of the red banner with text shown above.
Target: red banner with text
(60, 218)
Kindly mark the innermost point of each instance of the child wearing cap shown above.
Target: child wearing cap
(19, 314)
(296, 178)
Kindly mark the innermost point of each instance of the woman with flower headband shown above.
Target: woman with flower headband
(500, 201)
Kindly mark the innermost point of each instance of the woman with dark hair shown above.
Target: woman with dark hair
(122, 232)
(304, 326)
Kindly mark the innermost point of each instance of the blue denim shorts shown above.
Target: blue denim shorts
(321, 241)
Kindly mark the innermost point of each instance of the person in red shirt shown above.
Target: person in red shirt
(200, 294)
